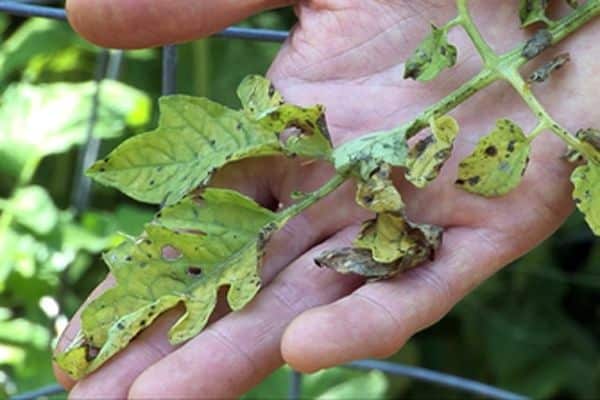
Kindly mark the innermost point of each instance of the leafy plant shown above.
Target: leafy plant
(192, 247)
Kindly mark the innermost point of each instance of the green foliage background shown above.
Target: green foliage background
(534, 328)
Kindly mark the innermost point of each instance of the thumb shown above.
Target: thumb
(147, 23)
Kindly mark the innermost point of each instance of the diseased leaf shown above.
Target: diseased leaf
(432, 56)
(532, 11)
(427, 157)
(498, 163)
(543, 72)
(191, 250)
(590, 140)
(389, 243)
(366, 154)
(258, 96)
(393, 239)
(308, 134)
(196, 136)
(586, 179)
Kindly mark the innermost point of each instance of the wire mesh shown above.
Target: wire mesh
(109, 65)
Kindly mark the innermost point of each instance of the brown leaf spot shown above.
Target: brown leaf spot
(491, 151)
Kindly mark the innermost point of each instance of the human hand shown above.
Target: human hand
(347, 55)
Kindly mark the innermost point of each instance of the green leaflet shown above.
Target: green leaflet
(387, 244)
(532, 11)
(33, 208)
(196, 137)
(427, 157)
(191, 249)
(364, 155)
(36, 121)
(586, 179)
(432, 56)
(498, 163)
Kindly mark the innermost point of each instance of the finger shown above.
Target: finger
(242, 179)
(240, 350)
(377, 319)
(70, 332)
(146, 23)
(153, 346)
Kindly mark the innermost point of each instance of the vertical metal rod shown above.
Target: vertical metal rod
(295, 388)
(109, 66)
(169, 70)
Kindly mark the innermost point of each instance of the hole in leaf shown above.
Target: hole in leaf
(170, 253)
(288, 133)
(194, 271)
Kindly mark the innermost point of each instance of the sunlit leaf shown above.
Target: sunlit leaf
(37, 36)
(432, 56)
(428, 156)
(191, 250)
(532, 11)
(196, 137)
(33, 208)
(586, 179)
(46, 119)
(498, 162)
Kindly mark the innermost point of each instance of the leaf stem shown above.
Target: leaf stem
(488, 55)
(313, 197)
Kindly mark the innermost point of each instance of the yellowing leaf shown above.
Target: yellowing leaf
(432, 56)
(586, 179)
(389, 243)
(427, 157)
(498, 163)
(258, 96)
(196, 137)
(393, 239)
(184, 257)
(532, 11)
(308, 134)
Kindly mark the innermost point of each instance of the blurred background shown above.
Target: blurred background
(534, 328)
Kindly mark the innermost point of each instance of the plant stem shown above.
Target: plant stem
(495, 68)
(488, 55)
(311, 198)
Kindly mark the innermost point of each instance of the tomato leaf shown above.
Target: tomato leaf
(532, 11)
(498, 162)
(191, 250)
(195, 137)
(387, 244)
(427, 157)
(586, 179)
(432, 56)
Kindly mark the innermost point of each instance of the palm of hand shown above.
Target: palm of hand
(348, 56)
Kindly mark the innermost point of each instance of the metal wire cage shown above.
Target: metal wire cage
(108, 67)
